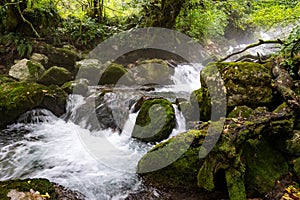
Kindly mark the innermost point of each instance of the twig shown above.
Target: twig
(260, 42)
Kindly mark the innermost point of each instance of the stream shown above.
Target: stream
(42, 145)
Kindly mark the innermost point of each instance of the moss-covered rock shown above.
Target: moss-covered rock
(4, 78)
(264, 166)
(243, 151)
(17, 98)
(246, 83)
(55, 76)
(153, 71)
(79, 86)
(36, 189)
(155, 121)
(27, 70)
(40, 58)
(182, 154)
(240, 111)
(65, 57)
(115, 73)
(90, 70)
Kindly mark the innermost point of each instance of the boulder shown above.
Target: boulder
(98, 73)
(246, 84)
(65, 57)
(240, 111)
(36, 189)
(155, 121)
(113, 74)
(40, 58)
(90, 70)
(27, 70)
(17, 98)
(264, 166)
(154, 71)
(55, 76)
(243, 154)
(78, 86)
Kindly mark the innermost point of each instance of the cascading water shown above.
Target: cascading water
(41, 145)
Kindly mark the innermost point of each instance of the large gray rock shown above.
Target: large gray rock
(27, 70)
(55, 76)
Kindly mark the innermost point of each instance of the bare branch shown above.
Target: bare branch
(260, 42)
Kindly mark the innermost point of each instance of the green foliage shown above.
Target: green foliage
(24, 47)
(269, 14)
(290, 49)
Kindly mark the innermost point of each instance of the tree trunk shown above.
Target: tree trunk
(162, 13)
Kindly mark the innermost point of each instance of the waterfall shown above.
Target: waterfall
(40, 145)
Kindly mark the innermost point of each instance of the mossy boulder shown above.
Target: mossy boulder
(245, 83)
(113, 74)
(182, 154)
(78, 86)
(155, 121)
(55, 76)
(36, 189)
(27, 70)
(264, 166)
(242, 150)
(90, 70)
(17, 98)
(154, 71)
(40, 58)
(240, 111)
(65, 57)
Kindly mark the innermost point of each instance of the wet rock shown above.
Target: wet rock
(65, 57)
(155, 121)
(55, 76)
(17, 98)
(243, 152)
(243, 83)
(240, 111)
(79, 86)
(113, 74)
(26, 70)
(39, 189)
(155, 71)
(90, 70)
(264, 166)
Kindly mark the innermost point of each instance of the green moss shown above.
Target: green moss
(17, 98)
(35, 70)
(155, 121)
(264, 166)
(113, 73)
(246, 83)
(181, 172)
(235, 184)
(240, 111)
(43, 186)
(6, 78)
(56, 76)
